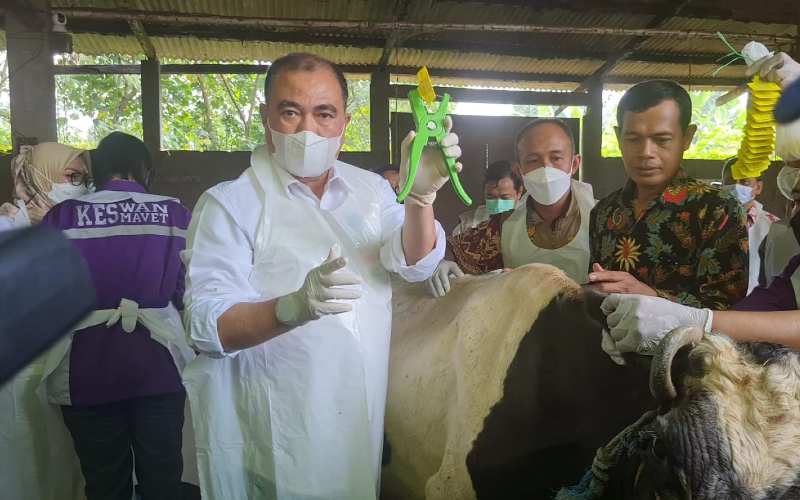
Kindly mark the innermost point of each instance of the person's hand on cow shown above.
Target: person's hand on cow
(617, 282)
(432, 172)
(637, 323)
(439, 283)
(778, 68)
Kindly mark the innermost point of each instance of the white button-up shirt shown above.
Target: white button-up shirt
(221, 243)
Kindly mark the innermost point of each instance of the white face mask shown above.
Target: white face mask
(66, 191)
(305, 154)
(547, 185)
(787, 178)
(743, 193)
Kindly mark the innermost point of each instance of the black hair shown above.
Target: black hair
(544, 121)
(386, 168)
(500, 170)
(646, 95)
(122, 155)
(302, 61)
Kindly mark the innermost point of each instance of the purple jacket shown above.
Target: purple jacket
(131, 241)
(779, 296)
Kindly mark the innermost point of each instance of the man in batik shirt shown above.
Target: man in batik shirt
(665, 234)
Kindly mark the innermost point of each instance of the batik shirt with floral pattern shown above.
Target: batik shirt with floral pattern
(689, 244)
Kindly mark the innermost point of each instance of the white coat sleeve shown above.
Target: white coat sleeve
(392, 255)
(218, 260)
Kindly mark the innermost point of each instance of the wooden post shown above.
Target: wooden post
(151, 104)
(30, 67)
(592, 142)
(379, 116)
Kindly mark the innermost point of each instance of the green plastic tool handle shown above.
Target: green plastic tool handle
(430, 127)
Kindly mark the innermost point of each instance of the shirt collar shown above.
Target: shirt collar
(290, 183)
(123, 185)
(677, 184)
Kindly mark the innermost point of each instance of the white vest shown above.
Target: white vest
(301, 416)
(572, 258)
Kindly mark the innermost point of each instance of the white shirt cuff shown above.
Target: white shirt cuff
(201, 326)
(394, 259)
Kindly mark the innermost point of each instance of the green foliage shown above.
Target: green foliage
(220, 112)
(211, 112)
(719, 129)
(5, 109)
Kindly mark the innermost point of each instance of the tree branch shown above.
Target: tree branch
(228, 90)
(208, 125)
(251, 109)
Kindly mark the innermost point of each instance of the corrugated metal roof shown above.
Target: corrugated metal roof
(532, 53)
(444, 59)
(688, 46)
(637, 69)
(221, 50)
(289, 9)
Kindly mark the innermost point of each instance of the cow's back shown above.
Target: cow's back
(500, 370)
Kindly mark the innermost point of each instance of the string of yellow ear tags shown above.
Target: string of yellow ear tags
(425, 86)
(758, 142)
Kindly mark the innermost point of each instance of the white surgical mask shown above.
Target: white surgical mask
(547, 185)
(66, 191)
(787, 178)
(743, 193)
(305, 154)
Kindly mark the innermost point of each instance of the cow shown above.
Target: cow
(727, 426)
(500, 390)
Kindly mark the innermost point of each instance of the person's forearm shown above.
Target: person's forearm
(419, 233)
(777, 327)
(249, 324)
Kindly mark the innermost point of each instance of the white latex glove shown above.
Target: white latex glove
(780, 69)
(432, 171)
(637, 323)
(320, 290)
(439, 283)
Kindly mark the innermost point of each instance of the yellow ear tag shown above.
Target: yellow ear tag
(425, 86)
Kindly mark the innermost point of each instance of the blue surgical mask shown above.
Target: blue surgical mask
(743, 193)
(498, 206)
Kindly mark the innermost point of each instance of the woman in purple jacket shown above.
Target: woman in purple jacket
(117, 377)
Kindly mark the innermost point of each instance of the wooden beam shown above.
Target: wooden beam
(30, 68)
(395, 38)
(151, 104)
(592, 140)
(144, 41)
(167, 69)
(379, 115)
(395, 26)
(502, 96)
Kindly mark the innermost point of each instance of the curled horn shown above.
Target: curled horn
(661, 384)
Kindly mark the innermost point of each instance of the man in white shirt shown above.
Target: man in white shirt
(746, 189)
(288, 299)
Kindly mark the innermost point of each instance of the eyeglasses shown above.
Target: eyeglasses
(79, 179)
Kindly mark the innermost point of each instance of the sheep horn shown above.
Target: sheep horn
(661, 384)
